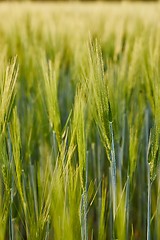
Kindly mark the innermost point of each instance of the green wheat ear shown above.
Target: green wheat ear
(78, 126)
(98, 94)
(7, 91)
(50, 83)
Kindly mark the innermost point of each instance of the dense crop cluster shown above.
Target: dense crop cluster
(79, 121)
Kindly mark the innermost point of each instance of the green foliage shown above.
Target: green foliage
(80, 121)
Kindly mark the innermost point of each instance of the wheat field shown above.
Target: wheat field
(79, 121)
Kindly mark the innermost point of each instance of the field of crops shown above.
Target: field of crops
(79, 121)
